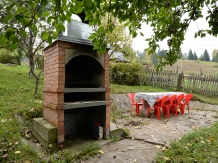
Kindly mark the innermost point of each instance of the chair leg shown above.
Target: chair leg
(168, 112)
(175, 110)
(158, 113)
(148, 112)
(181, 109)
(137, 109)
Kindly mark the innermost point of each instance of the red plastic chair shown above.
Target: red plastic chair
(177, 103)
(132, 98)
(184, 103)
(157, 105)
(169, 104)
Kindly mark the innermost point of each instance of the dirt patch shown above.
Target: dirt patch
(121, 102)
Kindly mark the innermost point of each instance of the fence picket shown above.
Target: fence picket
(191, 83)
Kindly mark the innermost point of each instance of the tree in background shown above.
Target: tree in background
(155, 57)
(206, 56)
(181, 55)
(195, 56)
(129, 53)
(185, 56)
(119, 38)
(190, 55)
(215, 58)
(141, 57)
(214, 53)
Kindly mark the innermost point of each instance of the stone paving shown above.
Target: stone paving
(148, 135)
(156, 132)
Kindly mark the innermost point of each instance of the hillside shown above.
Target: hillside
(192, 67)
(195, 67)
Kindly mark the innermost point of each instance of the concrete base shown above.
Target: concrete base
(45, 133)
(115, 132)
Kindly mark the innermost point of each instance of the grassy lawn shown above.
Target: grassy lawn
(200, 146)
(17, 98)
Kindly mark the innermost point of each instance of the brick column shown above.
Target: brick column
(107, 95)
(54, 80)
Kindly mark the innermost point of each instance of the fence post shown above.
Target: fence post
(179, 84)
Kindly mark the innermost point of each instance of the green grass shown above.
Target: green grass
(121, 89)
(200, 146)
(16, 97)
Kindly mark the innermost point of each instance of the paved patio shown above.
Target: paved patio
(149, 134)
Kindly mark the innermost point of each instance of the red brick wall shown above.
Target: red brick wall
(54, 80)
(107, 94)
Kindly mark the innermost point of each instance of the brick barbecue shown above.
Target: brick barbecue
(76, 86)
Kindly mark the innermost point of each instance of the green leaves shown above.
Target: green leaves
(164, 17)
(3, 40)
(78, 8)
(55, 34)
(13, 46)
(45, 14)
(44, 35)
(7, 18)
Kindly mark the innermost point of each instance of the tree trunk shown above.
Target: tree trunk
(37, 83)
(32, 65)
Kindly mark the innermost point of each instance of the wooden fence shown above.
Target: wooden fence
(207, 85)
(166, 79)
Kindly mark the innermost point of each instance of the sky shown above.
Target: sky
(195, 44)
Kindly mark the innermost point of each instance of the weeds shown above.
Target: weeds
(126, 132)
(114, 139)
(199, 146)
(115, 113)
(64, 156)
(91, 150)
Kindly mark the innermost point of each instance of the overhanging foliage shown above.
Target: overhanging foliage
(169, 19)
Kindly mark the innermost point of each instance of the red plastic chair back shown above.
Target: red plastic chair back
(160, 102)
(132, 96)
(177, 102)
(179, 98)
(188, 97)
(182, 105)
(171, 100)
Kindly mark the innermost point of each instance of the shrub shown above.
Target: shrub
(127, 74)
(6, 56)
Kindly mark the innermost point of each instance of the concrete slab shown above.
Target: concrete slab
(45, 133)
(115, 131)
